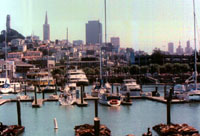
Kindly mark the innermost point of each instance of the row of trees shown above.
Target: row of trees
(168, 68)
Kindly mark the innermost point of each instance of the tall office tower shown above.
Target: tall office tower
(8, 23)
(93, 32)
(171, 48)
(188, 49)
(115, 41)
(179, 50)
(46, 29)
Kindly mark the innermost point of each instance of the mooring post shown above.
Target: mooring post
(35, 95)
(43, 94)
(96, 108)
(81, 94)
(84, 95)
(96, 126)
(56, 88)
(156, 89)
(169, 107)
(128, 96)
(25, 90)
(39, 88)
(165, 90)
(112, 88)
(19, 113)
(14, 88)
(117, 90)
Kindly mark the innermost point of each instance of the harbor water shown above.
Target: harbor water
(123, 120)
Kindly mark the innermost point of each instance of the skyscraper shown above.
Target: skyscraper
(188, 49)
(171, 48)
(179, 50)
(8, 23)
(46, 29)
(93, 32)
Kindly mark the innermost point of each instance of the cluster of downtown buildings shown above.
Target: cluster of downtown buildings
(31, 52)
(179, 50)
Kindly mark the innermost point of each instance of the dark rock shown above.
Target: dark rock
(88, 130)
(175, 130)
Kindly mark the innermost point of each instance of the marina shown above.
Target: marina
(110, 116)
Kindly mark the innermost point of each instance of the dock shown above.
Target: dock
(163, 100)
(78, 101)
(89, 97)
(3, 101)
(37, 104)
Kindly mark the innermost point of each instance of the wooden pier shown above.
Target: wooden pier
(3, 101)
(83, 104)
(37, 103)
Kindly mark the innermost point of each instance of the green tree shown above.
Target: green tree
(154, 68)
(157, 57)
(134, 69)
(144, 69)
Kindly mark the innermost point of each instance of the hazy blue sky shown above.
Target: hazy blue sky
(141, 24)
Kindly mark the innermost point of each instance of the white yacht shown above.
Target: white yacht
(131, 86)
(77, 76)
(6, 87)
(68, 97)
(109, 99)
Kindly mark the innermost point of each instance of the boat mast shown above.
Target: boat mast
(6, 53)
(101, 80)
(195, 53)
(105, 22)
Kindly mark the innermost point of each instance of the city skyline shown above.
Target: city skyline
(138, 24)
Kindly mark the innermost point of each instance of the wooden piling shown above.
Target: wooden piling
(117, 90)
(35, 90)
(156, 89)
(25, 90)
(165, 90)
(96, 126)
(39, 89)
(14, 88)
(112, 88)
(56, 88)
(96, 108)
(169, 107)
(43, 94)
(128, 96)
(81, 94)
(19, 113)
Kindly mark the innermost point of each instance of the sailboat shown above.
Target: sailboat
(104, 92)
(68, 96)
(194, 94)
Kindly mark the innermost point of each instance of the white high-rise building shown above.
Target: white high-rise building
(46, 29)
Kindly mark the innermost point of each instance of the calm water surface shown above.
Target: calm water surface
(122, 120)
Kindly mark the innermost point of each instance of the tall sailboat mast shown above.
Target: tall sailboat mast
(101, 79)
(6, 53)
(105, 22)
(195, 53)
